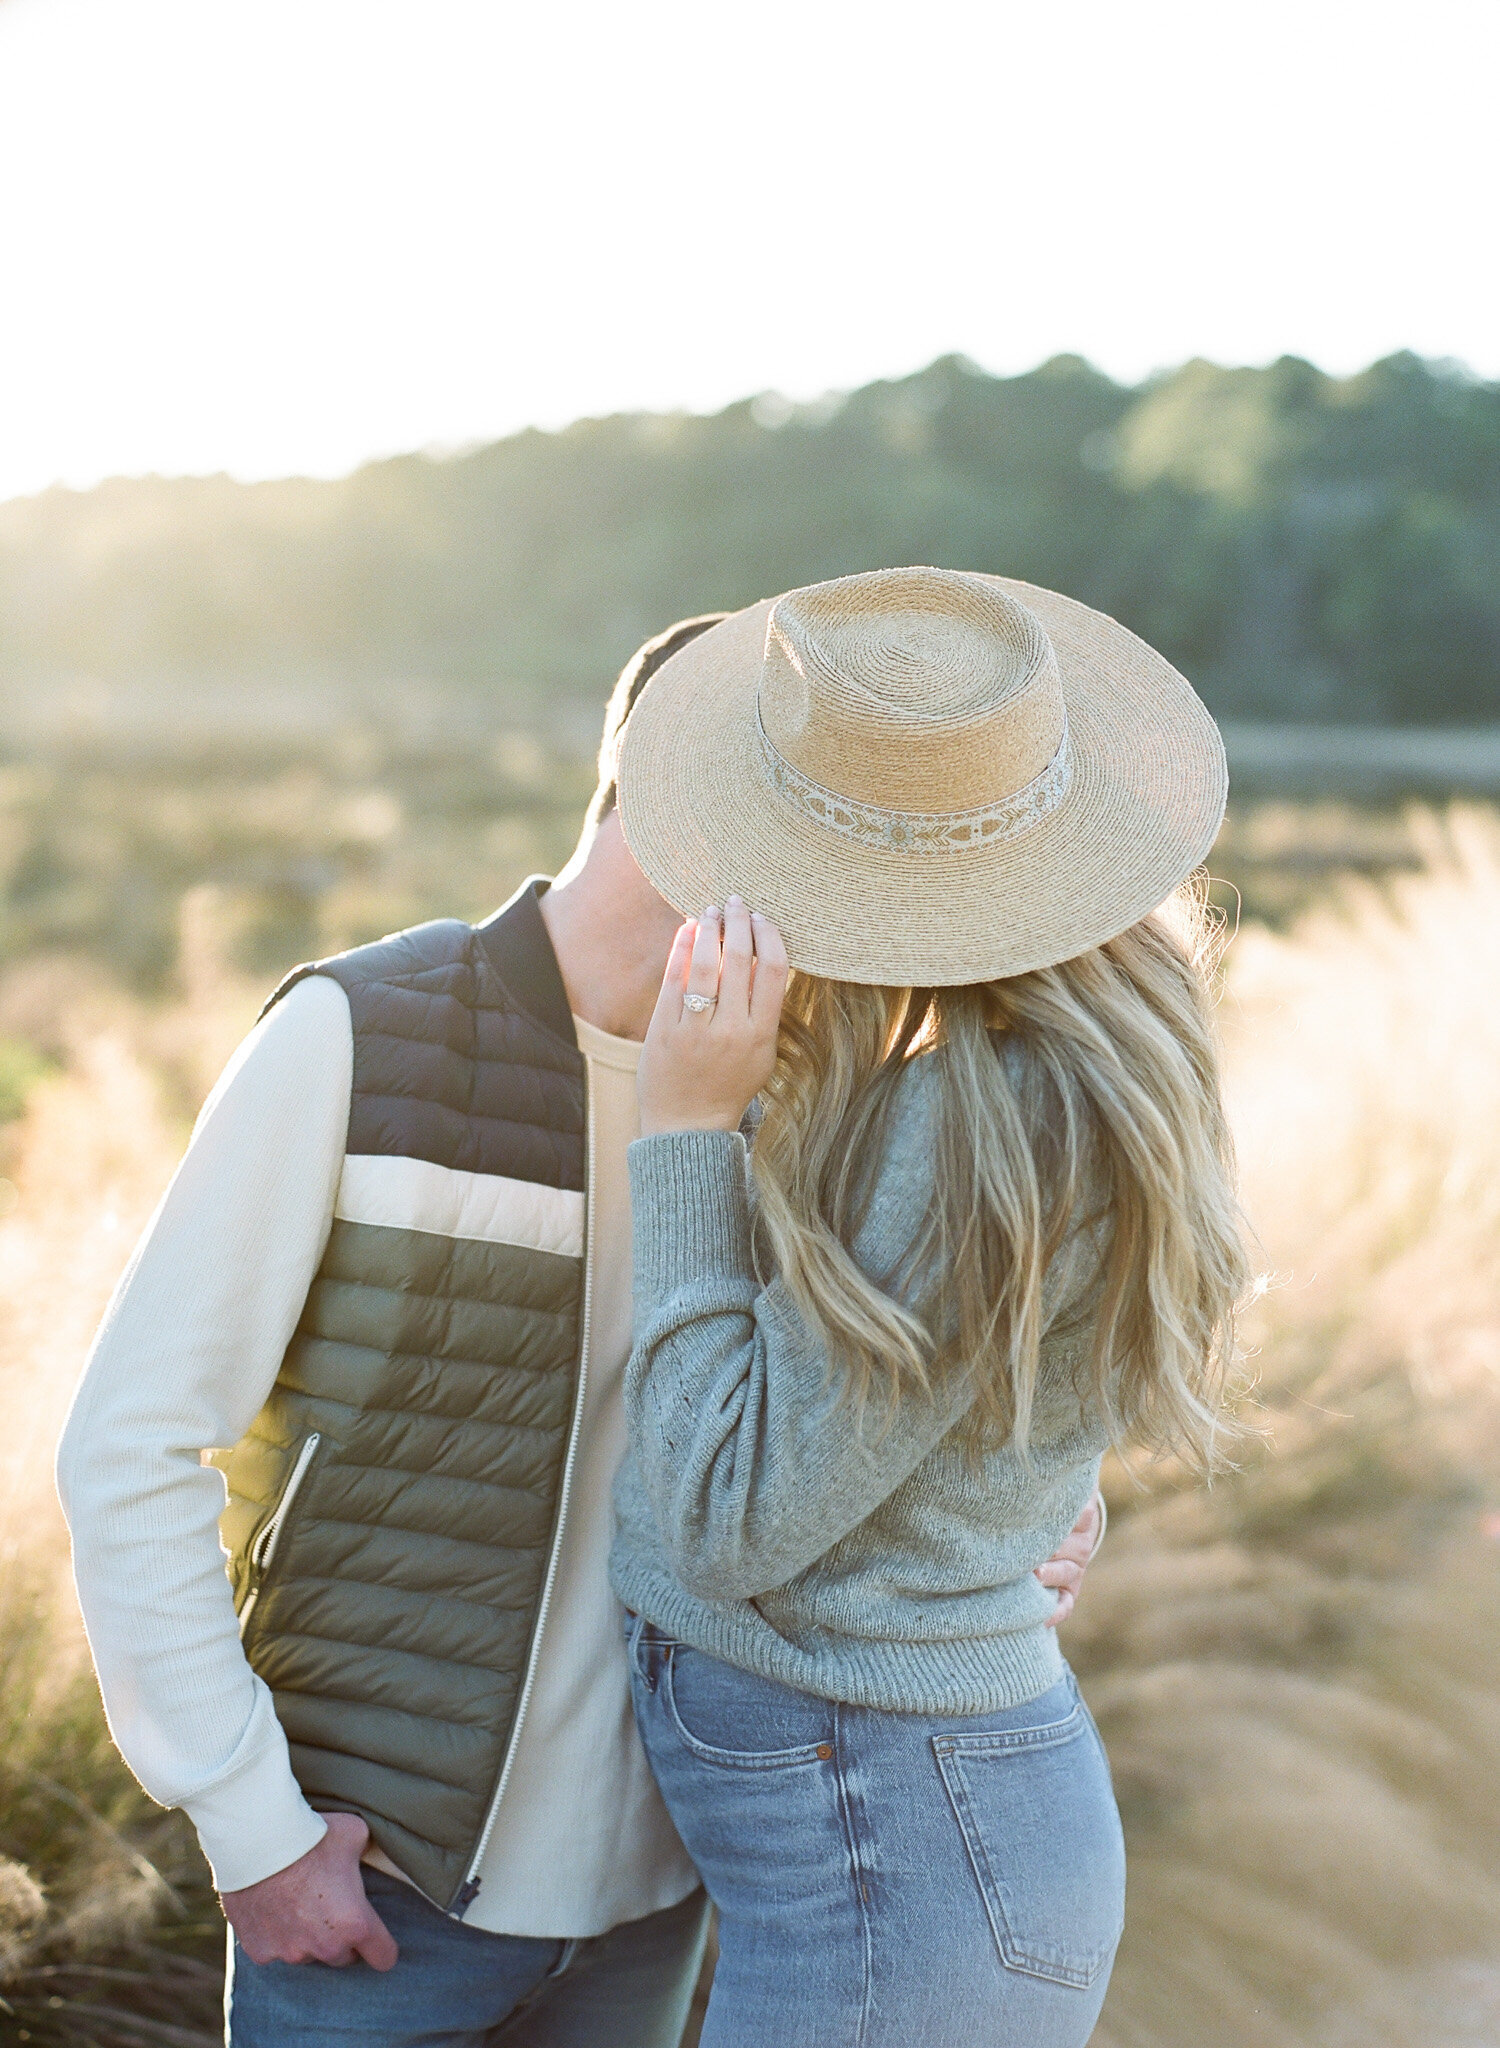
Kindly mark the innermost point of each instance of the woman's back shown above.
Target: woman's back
(882, 1554)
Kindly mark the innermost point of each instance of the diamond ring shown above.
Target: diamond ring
(698, 1004)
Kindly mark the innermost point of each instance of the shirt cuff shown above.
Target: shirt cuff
(690, 1209)
(254, 1822)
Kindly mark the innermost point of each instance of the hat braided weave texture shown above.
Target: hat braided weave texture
(928, 693)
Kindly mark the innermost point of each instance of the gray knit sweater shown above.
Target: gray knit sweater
(878, 1563)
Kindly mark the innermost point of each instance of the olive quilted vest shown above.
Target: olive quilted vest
(393, 1510)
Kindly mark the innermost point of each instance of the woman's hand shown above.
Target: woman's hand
(702, 1067)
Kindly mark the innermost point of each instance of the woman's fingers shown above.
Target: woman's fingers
(770, 974)
(703, 967)
(712, 1044)
(739, 955)
(669, 1001)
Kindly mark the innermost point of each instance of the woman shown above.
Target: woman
(987, 1230)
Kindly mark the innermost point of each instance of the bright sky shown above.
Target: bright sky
(277, 235)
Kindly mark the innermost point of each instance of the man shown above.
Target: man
(393, 1272)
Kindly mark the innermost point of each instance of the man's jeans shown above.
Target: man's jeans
(458, 1987)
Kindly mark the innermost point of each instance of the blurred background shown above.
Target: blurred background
(375, 377)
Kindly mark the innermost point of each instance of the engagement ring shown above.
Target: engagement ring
(698, 1004)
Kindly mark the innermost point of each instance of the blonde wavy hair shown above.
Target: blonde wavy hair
(1103, 1118)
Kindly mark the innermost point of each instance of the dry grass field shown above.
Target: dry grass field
(1298, 1674)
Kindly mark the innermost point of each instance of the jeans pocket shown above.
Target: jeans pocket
(742, 1721)
(1042, 1830)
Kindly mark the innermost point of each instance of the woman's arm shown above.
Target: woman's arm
(752, 1461)
(753, 1464)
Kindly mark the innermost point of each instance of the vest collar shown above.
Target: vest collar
(520, 950)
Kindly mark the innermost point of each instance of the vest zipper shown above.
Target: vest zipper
(469, 1890)
(263, 1549)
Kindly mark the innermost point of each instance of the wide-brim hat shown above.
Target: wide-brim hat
(922, 777)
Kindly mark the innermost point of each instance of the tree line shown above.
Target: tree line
(1304, 547)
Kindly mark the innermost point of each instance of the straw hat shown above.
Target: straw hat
(922, 777)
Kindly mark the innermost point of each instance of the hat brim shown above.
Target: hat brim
(1143, 806)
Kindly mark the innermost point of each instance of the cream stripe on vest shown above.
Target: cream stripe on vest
(415, 1194)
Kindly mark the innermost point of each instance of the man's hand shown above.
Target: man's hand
(314, 1911)
(1064, 1572)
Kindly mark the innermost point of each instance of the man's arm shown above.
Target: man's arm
(187, 1352)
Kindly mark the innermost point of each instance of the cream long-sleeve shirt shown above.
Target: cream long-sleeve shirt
(186, 1355)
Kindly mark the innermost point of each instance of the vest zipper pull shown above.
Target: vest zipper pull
(465, 1899)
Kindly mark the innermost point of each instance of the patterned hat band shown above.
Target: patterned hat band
(921, 831)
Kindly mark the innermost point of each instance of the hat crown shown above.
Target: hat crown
(1031, 777)
(917, 690)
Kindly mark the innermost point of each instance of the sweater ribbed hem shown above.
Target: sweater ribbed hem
(691, 1208)
(972, 1675)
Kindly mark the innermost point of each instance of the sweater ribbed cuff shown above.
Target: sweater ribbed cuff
(690, 1209)
(254, 1822)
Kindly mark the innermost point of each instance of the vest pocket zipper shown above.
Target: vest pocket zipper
(268, 1535)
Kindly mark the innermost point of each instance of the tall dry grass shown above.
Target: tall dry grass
(108, 1931)
(1298, 1674)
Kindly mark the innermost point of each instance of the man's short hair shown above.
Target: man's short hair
(634, 676)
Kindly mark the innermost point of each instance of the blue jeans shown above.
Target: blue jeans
(458, 1987)
(888, 1880)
